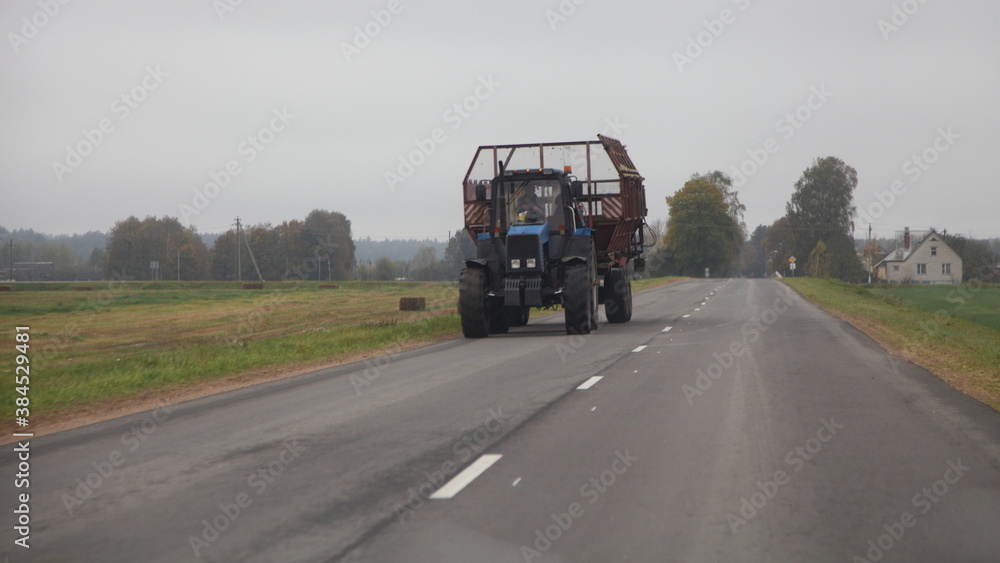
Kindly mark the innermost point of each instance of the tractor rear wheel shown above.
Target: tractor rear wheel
(472, 303)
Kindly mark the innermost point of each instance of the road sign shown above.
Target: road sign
(792, 259)
(792, 266)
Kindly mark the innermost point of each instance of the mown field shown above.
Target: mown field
(979, 304)
(120, 341)
(94, 351)
(930, 327)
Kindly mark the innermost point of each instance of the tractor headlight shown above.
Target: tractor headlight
(531, 263)
(515, 264)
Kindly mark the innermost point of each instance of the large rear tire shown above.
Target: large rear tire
(618, 304)
(472, 303)
(579, 299)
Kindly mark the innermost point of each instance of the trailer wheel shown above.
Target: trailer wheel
(472, 304)
(618, 288)
(595, 305)
(579, 299)
(517, 316)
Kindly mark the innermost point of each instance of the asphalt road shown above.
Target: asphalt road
(757, 428)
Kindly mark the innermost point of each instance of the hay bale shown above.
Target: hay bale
(329, 286)
(253, 286)
(412, 303)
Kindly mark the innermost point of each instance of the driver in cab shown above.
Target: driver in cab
(529, 208)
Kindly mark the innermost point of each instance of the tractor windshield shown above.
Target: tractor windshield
(532, 201)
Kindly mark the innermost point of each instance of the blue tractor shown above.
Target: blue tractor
(545, 237)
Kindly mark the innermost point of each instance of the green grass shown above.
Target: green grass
(979, 304)
(122, 341)
(639, 285)
(935, 333)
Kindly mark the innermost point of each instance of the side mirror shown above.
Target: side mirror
(576, 187)
(480, 192)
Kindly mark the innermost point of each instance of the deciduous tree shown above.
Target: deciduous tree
(134, 244)
(822, 208)
(700, 229)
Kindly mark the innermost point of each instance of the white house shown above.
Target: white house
(920, 258)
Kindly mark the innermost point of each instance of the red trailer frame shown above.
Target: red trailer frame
(615, 206)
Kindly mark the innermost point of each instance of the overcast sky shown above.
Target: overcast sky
(337, 93)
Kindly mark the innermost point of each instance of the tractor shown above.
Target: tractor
(545, 237)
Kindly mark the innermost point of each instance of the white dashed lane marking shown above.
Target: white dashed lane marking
(468, 475)
(590, 382)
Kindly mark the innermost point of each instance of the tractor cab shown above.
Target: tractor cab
(533, 201)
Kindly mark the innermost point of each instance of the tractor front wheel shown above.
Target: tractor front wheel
(472, 303)
(579, 299)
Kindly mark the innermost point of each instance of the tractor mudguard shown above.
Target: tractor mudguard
(476, 263)
(578, 251)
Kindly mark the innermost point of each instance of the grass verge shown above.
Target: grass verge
(979, 304)
(122, 345)
(963, 353)
(649, 283)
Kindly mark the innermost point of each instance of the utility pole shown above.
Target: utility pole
(178, 264)
(12, 260)
(239, 269)
(253, 259)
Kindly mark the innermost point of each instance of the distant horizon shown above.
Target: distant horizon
(857, 237)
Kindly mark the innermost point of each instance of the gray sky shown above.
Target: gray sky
(199, 81)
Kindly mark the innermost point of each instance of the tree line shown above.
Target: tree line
(319, 247)
(425, 264)
(705, 230)
(62, 257)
